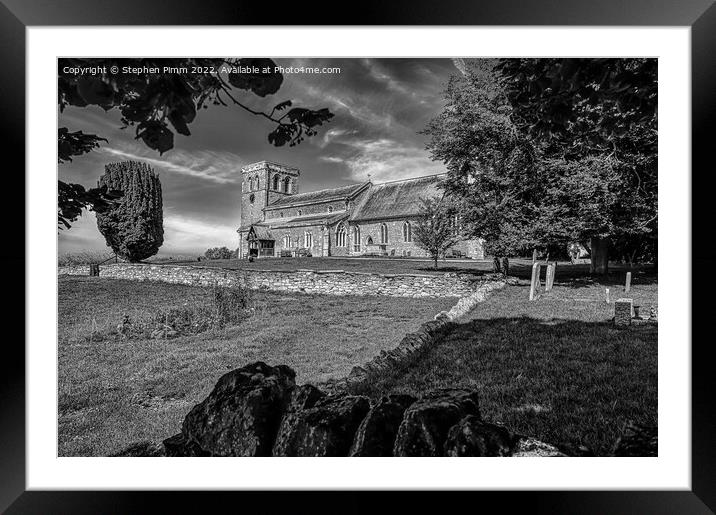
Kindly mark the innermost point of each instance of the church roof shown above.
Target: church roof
(311, 197)
(315, 219)
(397, 199)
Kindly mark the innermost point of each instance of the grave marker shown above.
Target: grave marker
(622, 312)
(606, 293)
(627, 286)
(534, 284)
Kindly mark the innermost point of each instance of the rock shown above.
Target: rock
(302, 398)
(376, 434)
(326, 429)
(426, 423)
(179, 446)
(142, 450)
(638, 440)
(473, 437)
(241, 416)
(528, 447)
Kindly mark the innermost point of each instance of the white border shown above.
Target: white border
(670, 470)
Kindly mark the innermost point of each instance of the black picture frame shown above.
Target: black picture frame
(16, 15)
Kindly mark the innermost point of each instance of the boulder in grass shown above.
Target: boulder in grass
(241, 416)
(376, 434)
(426, 423)
(474, 437)
(528, 447)
(326, 429)
(302, 398)
(179, 446)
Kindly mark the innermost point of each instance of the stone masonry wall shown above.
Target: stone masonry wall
(327, 282)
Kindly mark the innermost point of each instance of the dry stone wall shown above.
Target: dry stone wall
(327, 282)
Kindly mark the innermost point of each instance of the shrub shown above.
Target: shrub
(134, 228)
(219, 253)
(87, 257)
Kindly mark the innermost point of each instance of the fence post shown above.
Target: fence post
(534, 284)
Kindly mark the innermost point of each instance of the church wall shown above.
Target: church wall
(396, 245)
(311, 209)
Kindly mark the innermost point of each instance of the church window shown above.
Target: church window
(252, 197)
(287, 185)
(276, 181)
(286, 241)
(369, 241)
(308, 240)
(299, 212)
(330, 209)
(341, 236)
(407, 232)
(356, 239)
(281, 214)
(383, 233)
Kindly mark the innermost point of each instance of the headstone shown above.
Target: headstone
(549, 279)
(534, 256)
(534, 284)
(622, 312)
(627, 286)
(505, 266)
(554, 274)
(94, 270)
(606, 294)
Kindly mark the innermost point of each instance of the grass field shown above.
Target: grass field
(556, 368)
(114, 391)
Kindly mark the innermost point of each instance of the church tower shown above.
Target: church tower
(261, 184)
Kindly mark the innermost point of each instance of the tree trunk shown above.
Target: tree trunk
(599, 253)
(436, 261)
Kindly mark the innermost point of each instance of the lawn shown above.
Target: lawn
(113, 391)
(555, 368)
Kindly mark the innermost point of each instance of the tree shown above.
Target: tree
(155, 102)
(544, 152)
(493, 170)
(219, 253)
(134, 227)
(597, 119)
(435, 230)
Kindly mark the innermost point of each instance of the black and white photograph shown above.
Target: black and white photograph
(357, 257)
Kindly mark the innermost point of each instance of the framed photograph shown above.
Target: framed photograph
(429, 240)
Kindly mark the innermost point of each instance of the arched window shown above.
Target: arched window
(407, 232)
(369, 241)
(308, 240)
(356, 238)
(383, 233)
(276, 182)
(287, 241)
(281, 214)
(299, 212)
(341, 235)
(287, 185)
(330, 209)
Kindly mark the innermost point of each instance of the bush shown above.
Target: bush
(219, 253)
(134, 228)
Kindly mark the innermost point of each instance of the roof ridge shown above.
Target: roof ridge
(410, 179)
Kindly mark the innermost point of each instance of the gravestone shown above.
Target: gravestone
(622, 312)
(94, 270)
(627, 286)
(534, 284)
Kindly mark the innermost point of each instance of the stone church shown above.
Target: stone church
(360, 219)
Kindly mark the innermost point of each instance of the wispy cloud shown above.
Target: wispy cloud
(219, 167)
(184, 234)
(386, 159)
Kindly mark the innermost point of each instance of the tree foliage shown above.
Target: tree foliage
(548, 151)
(158, 105)
(219, 253)
(435, 230)
(493, 170)
(134, 227)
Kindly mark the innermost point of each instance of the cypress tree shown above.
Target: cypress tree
(134, 228)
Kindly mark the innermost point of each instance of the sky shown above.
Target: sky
(380, 105)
